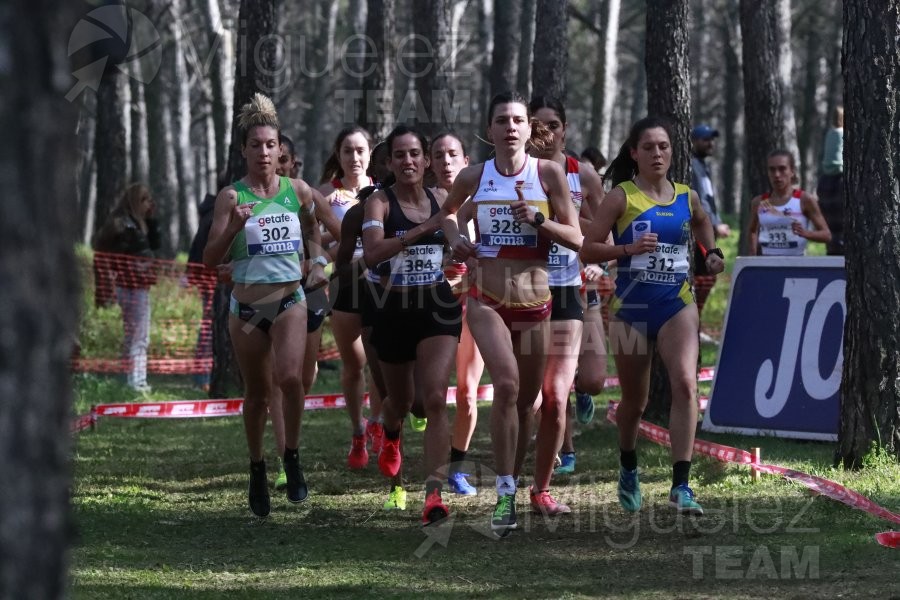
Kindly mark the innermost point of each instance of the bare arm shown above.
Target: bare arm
(810, 207)
(597, 246)
(753, 227)
(704, 233)
(376, 247)
(463, 187)
(565, 230)
(228, 220)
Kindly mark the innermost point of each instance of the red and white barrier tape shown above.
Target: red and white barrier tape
(819, 485)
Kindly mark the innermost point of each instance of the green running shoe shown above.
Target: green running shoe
(682, 499)
(396, 500)
(281, 481)
(416, 423)
(503, 520)
(629, 490)
(566, 464)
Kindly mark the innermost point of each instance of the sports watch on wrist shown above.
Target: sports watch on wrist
(539, 219)
(320, 260)
(716, 251)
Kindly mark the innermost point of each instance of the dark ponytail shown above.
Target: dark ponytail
(623, 167)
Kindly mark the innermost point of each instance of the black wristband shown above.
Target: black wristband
(716, 251)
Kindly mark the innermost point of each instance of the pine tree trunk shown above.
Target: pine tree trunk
(810, 120)
(86, 169)
(504, 58)
(377, 106)
(526, 47)
(668, 95)
(551, 49)
(324, 14)
(187, 196)
(140, 159)
(433, 84)
(218, 73)
(870, 388)
(39, 298)
(732, 126)
(109, 144)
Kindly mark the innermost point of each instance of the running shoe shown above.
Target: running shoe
(296, 488)
(258, 491)
(389, 459)
(567, 464)
(503, 519)
(545, 504)
(629, 490)
(682, 499)
(375, 433)
(459, 485)
(396, 500)
(435, 510)
(584, 407)
(281, 480)
(416, 423)
(359, 456)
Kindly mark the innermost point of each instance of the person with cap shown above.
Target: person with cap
(703, 140)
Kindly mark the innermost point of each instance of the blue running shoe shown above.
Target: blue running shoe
(459, 485)
(629, 490)
(567, 466)
(584, 407)
(682, 499)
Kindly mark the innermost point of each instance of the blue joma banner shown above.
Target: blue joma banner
(780, 361)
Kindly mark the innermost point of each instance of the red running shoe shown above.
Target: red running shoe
(435, 510)
(358, 457)
(389, 458)
(375, 433)
(543, 503)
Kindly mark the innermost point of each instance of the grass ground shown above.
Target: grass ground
(160, 511)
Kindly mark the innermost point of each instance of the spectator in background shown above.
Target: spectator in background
(131, 229)
(592, 155)
(288, 163)
(831, 182)
(703, 140)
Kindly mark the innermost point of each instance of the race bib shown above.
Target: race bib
(270, 234)
(560, 256)
(498, 227)
(778, 235)
(418, 265)
(666, 265)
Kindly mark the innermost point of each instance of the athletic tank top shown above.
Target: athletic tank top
(497, 235)
(563, 268)
(775, 235)
(662, 274)
(420, 262)
(270, 246)
(340, 201)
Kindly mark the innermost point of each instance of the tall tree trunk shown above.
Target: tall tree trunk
(140, 159)
(356, 48)
(668, 95)
(732, 125)
(254, 72)
(109, 143)
(639, 86)
(701, 93)
(526, 47)
(810, 124)
(324, 15)
(767, 103)
(160, 137)
(86, 168)
(432, 82)
(218, 39)
(551, 48)
(504, 58)
(377, 108)
(187, 196)
(485, 49)
(606, 82)
(870, 388)
(39, 297)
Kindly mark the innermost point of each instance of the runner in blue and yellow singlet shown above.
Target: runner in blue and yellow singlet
(651, 219)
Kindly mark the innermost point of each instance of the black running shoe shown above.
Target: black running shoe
(258, 493)
(296, 484)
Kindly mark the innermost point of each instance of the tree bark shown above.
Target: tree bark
(732, 127)
(218, 38)
(811, 122)
(870, 387)
(669, 96)
(187, 196)
(377, 108)
(39, 298)
(606, 81)
(140, 159)
(86, 169)
(504, 58)
(526, 47)
(551, 49)
(324, 15)
(432, 82)
(109, 143)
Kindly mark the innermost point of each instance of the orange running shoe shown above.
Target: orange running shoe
(375, 433)
(435, 510)
(543, 503)
(358, 457)
(389, 459)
